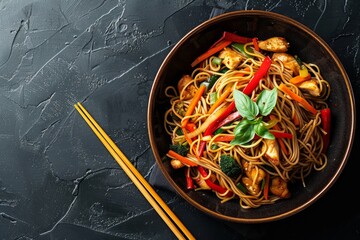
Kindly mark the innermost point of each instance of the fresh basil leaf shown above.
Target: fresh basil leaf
(244, 132)
(245, 106)
(242, 125)
(262, 131)
(242, 140)
(266, 101)
(269, 135)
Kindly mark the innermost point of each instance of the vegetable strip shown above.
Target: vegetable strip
(255, 42)
(190, 126)
(182, 159)
(224, 138)
(193, 104)
(209, 121)
(281, 135)
(213, 125)
(267, 186)
(260, 73)
(281, 142)
(325, 115)
(210, 52)
(233, 38)
(232, 117)
(212, 185)
(220, 100)
(297, 98)
(299, 79)
(189, 180)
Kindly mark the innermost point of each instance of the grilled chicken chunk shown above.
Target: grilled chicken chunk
(274, 44)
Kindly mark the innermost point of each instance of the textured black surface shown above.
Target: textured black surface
(56, 179)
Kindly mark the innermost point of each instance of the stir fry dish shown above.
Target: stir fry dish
(248, 121)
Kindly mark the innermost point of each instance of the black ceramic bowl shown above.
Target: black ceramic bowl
(308, 46)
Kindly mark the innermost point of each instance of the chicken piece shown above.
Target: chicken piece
(176, 164)
(253, 189)
(189, 91)
(289, 62)
(201, 183)
(274, 44)
(253, 172)
(272, 151)
(311, 87)
(231, 58)
(279, 188)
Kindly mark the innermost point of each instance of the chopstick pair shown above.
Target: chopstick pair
(144, 187)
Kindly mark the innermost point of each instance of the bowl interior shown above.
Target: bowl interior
(308, 46)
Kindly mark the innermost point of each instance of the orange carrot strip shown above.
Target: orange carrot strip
(182, 159)
(297, 98)
(193, 104)
(299, 79)
(224, 138)
(190, 126)
(210, 52)
(186, 136)
(189, 140)
(220, 100)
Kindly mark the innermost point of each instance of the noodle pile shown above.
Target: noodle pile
(262, 180)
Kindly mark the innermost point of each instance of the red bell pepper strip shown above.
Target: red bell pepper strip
(267, 186)
(260, 73)
(201, 148)
(228, 36)
(212, 185)
(189, 180)
(256, 45)
(281, 134)
(213, 126)
(221, 121)
(325, 115)
(232, 117)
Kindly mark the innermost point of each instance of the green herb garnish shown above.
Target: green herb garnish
(253, 113)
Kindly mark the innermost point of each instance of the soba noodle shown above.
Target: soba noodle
(298, 156)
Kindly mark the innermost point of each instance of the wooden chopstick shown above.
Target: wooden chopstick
(144, 187)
